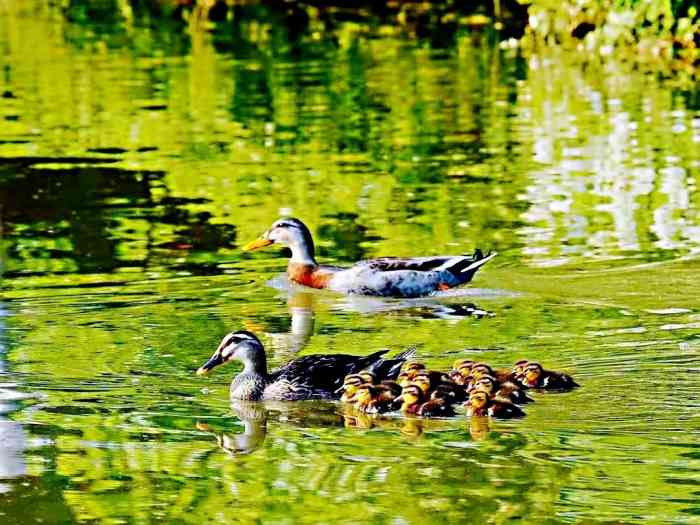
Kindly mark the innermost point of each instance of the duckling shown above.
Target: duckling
(412, 368)
(481, 404)
(436, 407)
(413, 402)
(519, 368)
(309, 377)
(510, 374)
(463, 363)
(462, 369)
(507, 391)
(410, 398)
(374, 399)
(404, 379)
(350, 385)
(480, 369)
(450, 392)
(372, 379)
(534, 376)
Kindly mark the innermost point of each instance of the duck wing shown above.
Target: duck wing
(391, 368)
(455, 264)
(414, 277)
(323, 374)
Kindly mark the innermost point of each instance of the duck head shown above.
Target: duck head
(485, 384)
(404, 379)
(240, 346)
(481, 369)
(412, 368)
(531, 375)
(519, 368)
(368, 377)
(422, 381)
(287, 232)
(463, 364)
(363, 395)
(411, 396)
(350, 385)
(478, 399)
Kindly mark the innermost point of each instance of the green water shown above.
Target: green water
(135, 162)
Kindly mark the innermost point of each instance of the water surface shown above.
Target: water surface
(135, 162)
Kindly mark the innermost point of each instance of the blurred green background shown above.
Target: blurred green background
(141, 143)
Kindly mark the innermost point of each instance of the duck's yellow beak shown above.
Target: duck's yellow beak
(257, 244)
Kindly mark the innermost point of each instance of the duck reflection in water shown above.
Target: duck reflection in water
(253, 416)
(303, 303)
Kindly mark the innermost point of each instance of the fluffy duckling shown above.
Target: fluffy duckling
(463, 363)
(461, 370)
(508, 391)
(481, 404)
(410, 398)
(372, 379)
(350, 385)
(431, 382)
(404, 379)
(519, 368)
(534, 376)
(480, 369)
(437, 407)
(374, 399)
(411, 368)
(413, 403)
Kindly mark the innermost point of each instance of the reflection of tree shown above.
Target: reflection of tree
(69, 219)
(597, 191)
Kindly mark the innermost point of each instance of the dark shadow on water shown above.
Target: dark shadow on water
(87, 210)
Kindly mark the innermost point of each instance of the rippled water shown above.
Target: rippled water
(133, 167)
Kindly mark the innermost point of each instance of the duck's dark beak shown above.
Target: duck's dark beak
(257, 244)
(214, 360)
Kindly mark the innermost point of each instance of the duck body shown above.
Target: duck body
(500, 409)
(387, 277)
(310, 377)
(481, 403)
(534, 376)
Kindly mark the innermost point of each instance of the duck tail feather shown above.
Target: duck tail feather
(408, 353)
(391, 368)
(478, 260)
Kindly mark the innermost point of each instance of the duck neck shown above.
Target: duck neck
(256, 365)
(303, 252)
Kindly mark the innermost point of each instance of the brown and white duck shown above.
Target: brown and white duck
(387, 276)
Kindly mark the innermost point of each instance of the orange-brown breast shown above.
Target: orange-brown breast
(309, 275)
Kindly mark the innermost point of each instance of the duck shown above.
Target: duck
(534, 376)
(481, 404)
(413, 402)
(508, 391)
(375, 399)
(461, 370)
(435, 384)
(386, 277)
(310, 377)
(350, 385)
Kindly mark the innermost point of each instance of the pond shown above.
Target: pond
(134, 164)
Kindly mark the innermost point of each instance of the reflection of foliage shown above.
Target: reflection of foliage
(662, 31)
(650, 30)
